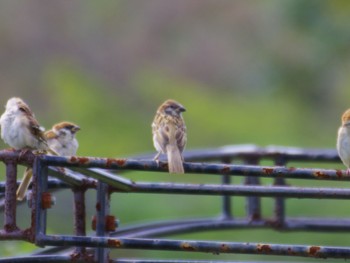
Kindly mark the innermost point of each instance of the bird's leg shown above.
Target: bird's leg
(156, 158)
(23, 152)
(39, 151)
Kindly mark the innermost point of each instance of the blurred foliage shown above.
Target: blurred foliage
(260, 72)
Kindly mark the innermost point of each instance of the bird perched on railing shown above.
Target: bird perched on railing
(21, 130)
(61, 138)
(343, 140)
(169, 134)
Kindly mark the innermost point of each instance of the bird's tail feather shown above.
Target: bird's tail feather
(22, 188)
(174, 159)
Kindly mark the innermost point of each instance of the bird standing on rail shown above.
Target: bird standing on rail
(61, 138)
(169, 134)
(21, 131)
(19, 128)
(343, 140)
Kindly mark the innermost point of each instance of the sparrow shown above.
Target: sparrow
(21, 131)
(343, 140)
(169, 134)
(19, 128)
(61, 138)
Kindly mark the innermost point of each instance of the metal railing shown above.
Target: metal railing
(82, 173)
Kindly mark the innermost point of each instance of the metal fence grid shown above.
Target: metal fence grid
(82, 173)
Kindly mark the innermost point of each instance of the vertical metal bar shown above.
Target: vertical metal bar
(226, 199)
(102, 210)
(253, 206)
(279, 201)
(40, 174)
(79, 217)
(10, 197)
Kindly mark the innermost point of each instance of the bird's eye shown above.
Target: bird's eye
(22, 109)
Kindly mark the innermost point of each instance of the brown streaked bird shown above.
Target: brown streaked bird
(21, 130)
(343, 140)
(169, 134)
(61, 138)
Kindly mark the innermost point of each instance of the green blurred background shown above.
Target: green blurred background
(248, 71)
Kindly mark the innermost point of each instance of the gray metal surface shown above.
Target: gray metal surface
(99, 174)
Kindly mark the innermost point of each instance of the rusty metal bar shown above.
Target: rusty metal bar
(68, 176)
(102, 211)
(79, 217)
(44, 259)
(112, 180)
(248, 150)
(279, 201)
(200, 246)
(253, 204)
(10, 198)
(40, 174)
(165, 228)
(198, 168)
(226, 199)
(183, 261)
(240, 190)
(64, 259)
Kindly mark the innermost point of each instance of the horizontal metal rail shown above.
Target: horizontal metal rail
(248, 151)
(166, 228)
(198, 246)
(59, 259)
(196, 168)
(240, 190)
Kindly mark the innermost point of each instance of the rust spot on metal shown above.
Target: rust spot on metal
(263, 248)
(110, 223)
(75, 256)
(268, 170)
(111, 161)
(79, 160)
(339, 173)
(46, 200)
(291, 252)
(277, 224)
(73, 159)
(187, 247)
(314, 250)
(291, 169)
(93, 223)
(10, 228)
(98, 207)
(255, 216)
(320, 174)
(225, 170)
(114, 242)
(224, 247)
(163, 165)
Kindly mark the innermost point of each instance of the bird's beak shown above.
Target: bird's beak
(182, 109)
(76, 128)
